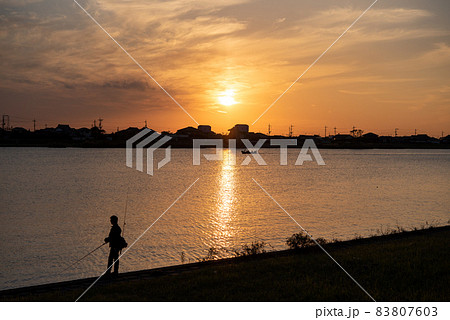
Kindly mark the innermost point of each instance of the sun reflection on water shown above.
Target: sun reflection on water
(224, 214)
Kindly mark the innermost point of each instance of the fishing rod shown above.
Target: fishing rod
(125, 214)
(84, 257)
(125, 217)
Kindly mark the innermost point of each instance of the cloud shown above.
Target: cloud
(18, 3)
(375, 25)
(126, 84)
(198, 48)
(338, 15)
(438, 55)
(358, 92)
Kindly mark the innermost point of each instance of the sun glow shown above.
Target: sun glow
(226, 98)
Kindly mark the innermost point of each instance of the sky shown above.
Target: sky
(225, 62)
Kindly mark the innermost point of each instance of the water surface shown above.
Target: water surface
(56, 204)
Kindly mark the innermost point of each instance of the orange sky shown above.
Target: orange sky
(391, 70)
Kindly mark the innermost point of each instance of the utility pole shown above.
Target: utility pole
(325, 132)
(269, 131)
(145, 124)
(34, 124)
(291, 129)
(334, 130)
(100, 123)
(5, 122)
(415, 132)
(395, 131)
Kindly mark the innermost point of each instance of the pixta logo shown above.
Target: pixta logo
(151, 141)
(142, 140)
(252, 151)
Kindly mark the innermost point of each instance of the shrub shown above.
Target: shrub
(321, 241)
(249, 250)
(212, 255)
(302, 240)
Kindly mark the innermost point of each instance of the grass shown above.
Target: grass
(409, 266)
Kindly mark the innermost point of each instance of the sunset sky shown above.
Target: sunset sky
(225, 62)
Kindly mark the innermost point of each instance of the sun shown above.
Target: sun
(226, 98)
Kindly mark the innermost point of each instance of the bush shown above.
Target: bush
(322, 241)
(213, 254)
(302, 240)
(249, 250)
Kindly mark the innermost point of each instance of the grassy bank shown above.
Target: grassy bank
(410, 266)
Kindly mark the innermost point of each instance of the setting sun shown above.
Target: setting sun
(226, 98)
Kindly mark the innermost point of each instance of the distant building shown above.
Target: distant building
(203, 132)
(204, 128)
(343, 137)
(387, 139)
(187, 132)
(370, 137)
(241, 128)
(445, 139)
(19, 130)
(126, 133)
(422, 138)
(63, 128)
(83, 133)
(239, 131)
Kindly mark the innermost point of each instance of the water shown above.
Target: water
(56, 204)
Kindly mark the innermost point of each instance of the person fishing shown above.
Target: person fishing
(115, 243)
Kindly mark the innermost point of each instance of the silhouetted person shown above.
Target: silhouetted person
(114, 244)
